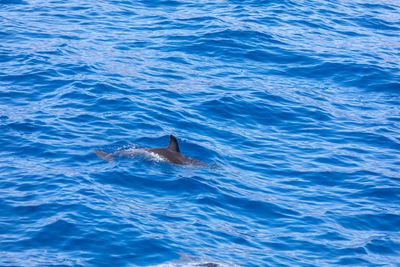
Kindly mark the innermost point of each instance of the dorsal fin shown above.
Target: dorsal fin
(173, 144)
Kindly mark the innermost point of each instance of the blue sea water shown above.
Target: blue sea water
(293, 105)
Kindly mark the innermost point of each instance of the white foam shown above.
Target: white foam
(154, 156)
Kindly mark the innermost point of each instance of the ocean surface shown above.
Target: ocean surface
(294, 106)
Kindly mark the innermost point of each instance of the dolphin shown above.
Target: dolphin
(170, 154)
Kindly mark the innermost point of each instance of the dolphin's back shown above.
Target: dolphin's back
(170, 156)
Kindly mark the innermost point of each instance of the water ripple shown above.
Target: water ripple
(292, 105)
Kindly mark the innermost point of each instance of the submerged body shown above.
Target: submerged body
(170, 154)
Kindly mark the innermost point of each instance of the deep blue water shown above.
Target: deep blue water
(293, 105)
